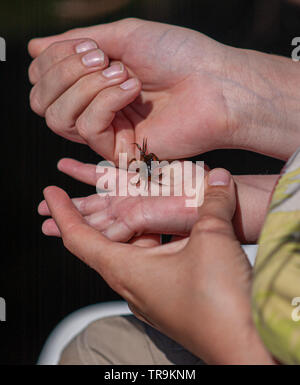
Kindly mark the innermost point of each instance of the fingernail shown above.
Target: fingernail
(114, 70)
(85, 46)
(218, 177)
(129, 84)
(93, 59)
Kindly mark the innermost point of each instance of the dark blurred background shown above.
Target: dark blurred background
(39, 279)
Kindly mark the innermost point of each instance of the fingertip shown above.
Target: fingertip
(219, 177)
(42, 207)
(31, 47)
(50, 191)
(45, 228)
(50, 228)
(219, 195)
(61, 163)
(66, 164)
(35, 47)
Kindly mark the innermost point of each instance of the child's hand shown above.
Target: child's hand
(120, 218)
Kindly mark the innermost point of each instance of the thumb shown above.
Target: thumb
(218, 208)
(110, 37)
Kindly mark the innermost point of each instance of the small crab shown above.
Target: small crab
(144, 157)
(145, 173)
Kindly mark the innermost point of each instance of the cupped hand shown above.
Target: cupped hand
(179, 106)
(123, 217)
(196, 290)
(195, 94)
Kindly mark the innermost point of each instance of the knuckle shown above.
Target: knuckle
(209, 224)
(63, 72)
(53, 51)
(67, 240)
(58, 47)
(82, 128)
(128, 24)
(86, 82)
(218, 195)
(74, 32)
(35, 102)
(51, 119)
(53, 47)
(33, 72)
(130, 20)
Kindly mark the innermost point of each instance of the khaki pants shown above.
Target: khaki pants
(124, 340)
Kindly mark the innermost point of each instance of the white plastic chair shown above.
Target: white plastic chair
(73, 324)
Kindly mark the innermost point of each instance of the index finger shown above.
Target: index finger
(111, 37)
(55, 53)
(84, 172)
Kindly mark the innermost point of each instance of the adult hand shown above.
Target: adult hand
(167, 61)
(196, 94)
(196, 290)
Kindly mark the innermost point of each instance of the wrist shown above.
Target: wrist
(263, 102)
(254, 193)
(245, 349)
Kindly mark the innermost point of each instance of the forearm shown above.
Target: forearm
(263, 99)
(253, 198)
(171, 216)
(263, 182)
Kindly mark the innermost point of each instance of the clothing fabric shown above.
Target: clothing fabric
(276, 282)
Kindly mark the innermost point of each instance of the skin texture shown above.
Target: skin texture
(193, 93)
(121, 218)
(186, 265)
